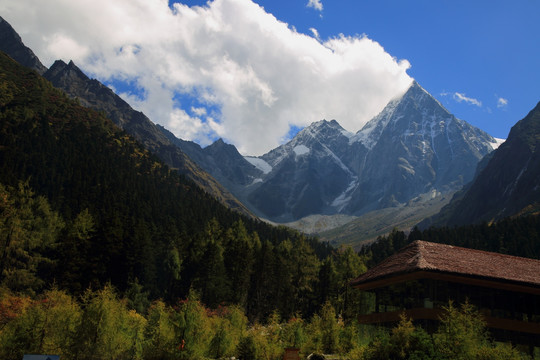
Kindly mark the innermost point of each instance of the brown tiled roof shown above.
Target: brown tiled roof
(433, 257)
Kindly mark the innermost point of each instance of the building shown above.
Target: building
(422, 277)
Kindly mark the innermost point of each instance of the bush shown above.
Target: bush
(462, 334)
(45, 325)
(108, 330)
(405, 341)
(159, 333)
(247, 350)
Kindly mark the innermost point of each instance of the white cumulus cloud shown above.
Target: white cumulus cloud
(316, 4)
(459, 97)
(315, 33)
(502, 102)
(257, 75)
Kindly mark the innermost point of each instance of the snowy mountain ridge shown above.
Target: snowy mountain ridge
(413, 146)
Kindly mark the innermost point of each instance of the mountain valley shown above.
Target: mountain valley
(408, 161)
(402, 167)
(120, 240)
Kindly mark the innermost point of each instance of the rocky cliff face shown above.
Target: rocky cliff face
(413, 147)
(308, 175)
(506, 185)
(11, 44)
(93, 94)
(221, 160)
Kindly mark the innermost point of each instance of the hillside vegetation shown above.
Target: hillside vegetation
(100, 209)
(108, 253)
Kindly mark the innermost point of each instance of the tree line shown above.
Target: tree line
(93, 225)
(85, 205)
(518, 236)
(102, 325)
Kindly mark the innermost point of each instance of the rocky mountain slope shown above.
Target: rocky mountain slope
(413, 147)
(11, 43)
(93, 94)
(84, 205)
(508, 183)
(221, 160)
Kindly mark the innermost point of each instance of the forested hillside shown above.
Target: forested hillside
(107, 253)
(518, 236)
(83, 205)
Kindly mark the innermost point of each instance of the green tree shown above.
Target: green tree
(295, 272)
(266, 283)
(230, 325)
(239, 256)
(461, 333)
(405, 341)
(330, 329)
(172, 266)
(46, 326)
(349, 301)
(294, 333)
(160, 340)
(192, 328)
(305, 269)
(74, 251)
(137, 297)
(213, 282)
(222, 342)
(29, 229)
(108, 330)
(247, 348)
(329, 281)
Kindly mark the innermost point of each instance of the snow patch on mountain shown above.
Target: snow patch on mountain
(371, 132)
(347, 134)
(337, 160)
(344, 198)
(498, 142)
(300, 150)
(260, 164)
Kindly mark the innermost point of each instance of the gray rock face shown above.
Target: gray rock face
(308, 174)
(11, 43)
(507, 184)
(221, 160)
(414, 146)
(93, 94)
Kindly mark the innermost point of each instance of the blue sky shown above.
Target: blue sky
(484, 50)
(255, 72)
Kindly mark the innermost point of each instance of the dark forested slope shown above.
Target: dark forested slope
(143, 224)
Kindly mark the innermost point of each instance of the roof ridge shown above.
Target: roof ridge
(419, 259)
(422, 255)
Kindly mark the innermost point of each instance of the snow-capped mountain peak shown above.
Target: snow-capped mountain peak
(322, 130)
(416, 97)
(412, 147)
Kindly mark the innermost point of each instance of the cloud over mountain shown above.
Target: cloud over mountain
(254, 74)
(459, 97)
(316, 4)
